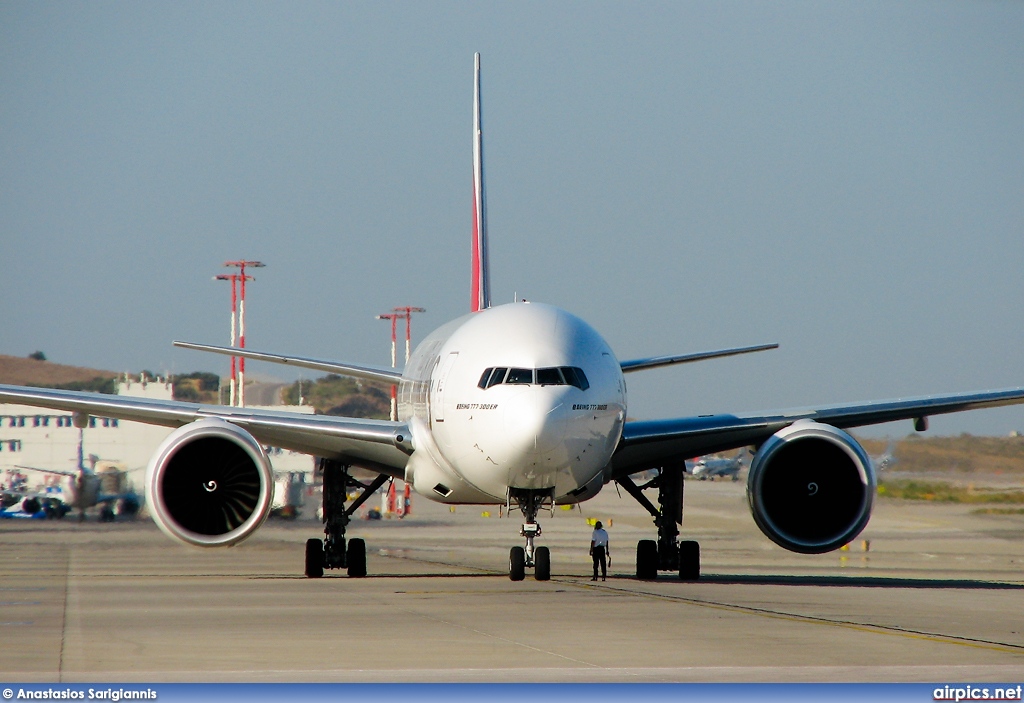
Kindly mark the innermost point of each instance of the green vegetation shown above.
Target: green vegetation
(197, 387)
(95, 385)
(998, 511)
(947, 492)
(339, 395)
(37, 355)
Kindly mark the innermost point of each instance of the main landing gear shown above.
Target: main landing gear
(537, 558)
(332, 552)
(667, 554)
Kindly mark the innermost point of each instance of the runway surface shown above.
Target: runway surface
(938, 597)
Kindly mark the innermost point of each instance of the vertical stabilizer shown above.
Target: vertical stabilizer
(481, 284)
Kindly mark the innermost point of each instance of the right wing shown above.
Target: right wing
(380, 445)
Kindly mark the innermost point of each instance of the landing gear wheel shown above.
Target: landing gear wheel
(314, 558)
(689, 561)
(647, 560)
(356, 558)
(517, 564)
(542, 564)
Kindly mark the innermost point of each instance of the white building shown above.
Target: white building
(48, 439)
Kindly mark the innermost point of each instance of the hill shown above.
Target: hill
(964, 455)
(20, 371)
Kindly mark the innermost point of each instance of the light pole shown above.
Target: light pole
(238, 313)
(406, 312)
(393, 316)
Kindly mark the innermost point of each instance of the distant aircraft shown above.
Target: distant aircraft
(716, 467)
(18, 500)
(521, 405)
(885, 460)
(87, 488)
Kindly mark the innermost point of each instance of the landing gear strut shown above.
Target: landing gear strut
(668, 553)
(332, 552)
(539, 558)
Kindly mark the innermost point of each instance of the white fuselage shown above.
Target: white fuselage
(539, 425)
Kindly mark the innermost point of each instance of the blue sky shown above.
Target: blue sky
(845, 179)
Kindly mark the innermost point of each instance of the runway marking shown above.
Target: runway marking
(64, 615)
(891, 630)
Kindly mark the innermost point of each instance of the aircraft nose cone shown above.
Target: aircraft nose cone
(534, 422)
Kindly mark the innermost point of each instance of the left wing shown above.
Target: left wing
(380, 445)
(648, 444)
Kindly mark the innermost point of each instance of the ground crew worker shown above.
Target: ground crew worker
(599, 550)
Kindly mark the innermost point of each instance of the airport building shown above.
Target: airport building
(48, 439)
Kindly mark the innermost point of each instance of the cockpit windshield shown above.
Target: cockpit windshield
(551, 376)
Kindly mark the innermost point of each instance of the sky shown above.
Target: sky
(844, 179)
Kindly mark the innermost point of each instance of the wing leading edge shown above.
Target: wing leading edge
(380, 445)
(364, 372)
(649, 444)
(656, 361)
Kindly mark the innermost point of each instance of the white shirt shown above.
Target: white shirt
(599, 538)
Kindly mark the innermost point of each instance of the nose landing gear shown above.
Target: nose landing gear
(537, 558)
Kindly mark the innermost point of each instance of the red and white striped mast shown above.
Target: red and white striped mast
(393, 316)
(406, 312)
(238, 311)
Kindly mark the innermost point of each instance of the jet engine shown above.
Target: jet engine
(811, 487)
(209, 484)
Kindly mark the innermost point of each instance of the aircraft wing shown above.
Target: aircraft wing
(647, 444)
(364, 372)
(656, 361)
(380, 445)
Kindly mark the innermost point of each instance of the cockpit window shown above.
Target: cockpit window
(553, 376)
(574, 376)
(522, 376)
(491, 377)
(549, 377)
(484, 377)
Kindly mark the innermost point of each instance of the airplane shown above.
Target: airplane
(885, 460)
(17, 500)
(85, 488)
(521, 405)
(714, 467)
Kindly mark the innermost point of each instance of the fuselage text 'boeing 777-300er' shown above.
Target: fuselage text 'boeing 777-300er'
(522, 405)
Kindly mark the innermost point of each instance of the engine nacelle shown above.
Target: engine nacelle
(209, 484)
(811, 488)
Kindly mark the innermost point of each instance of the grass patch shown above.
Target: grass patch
(998, 511)
(947, 493)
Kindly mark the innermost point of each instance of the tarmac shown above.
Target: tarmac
(936, 594)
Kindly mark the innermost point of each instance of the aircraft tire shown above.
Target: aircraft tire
(314, 558)
(517, 564)
(356, 558)
(542, 564)
(646, 560)
(689, 561)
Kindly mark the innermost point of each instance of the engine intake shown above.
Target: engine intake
(811, 488)
(210, 484)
